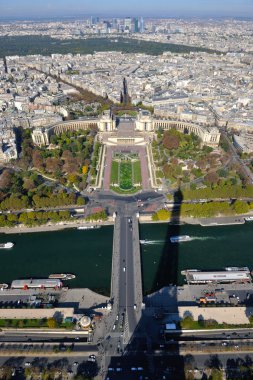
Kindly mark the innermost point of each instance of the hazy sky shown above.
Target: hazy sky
(156, 8)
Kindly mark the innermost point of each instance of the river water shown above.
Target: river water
(211, 248)
(87, 254)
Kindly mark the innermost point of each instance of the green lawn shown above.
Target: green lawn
(115, 172)
(137, 171)
(125, 176)
(124, 192)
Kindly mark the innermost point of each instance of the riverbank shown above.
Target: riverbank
(52, 227)
(204, 222)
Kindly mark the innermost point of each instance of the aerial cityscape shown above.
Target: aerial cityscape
(126, 190)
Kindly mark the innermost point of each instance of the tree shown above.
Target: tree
(52, 323)
(66, 155)
(80, 201)
(72, 178)
(171, 141)
(23, 218)
(28, 184)
(85, 169)
(53, 164)
(163, 214)
(216, 374)
(241, 207)
(71, 165)
(65, 215)
(222, 173)
(12, 218)
(2, 220)
(21, 324)
(155, 217)
(5, 180)
(37, 160)
(212, 178)
(168, 170)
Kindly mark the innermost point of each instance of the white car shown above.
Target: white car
(124, 269)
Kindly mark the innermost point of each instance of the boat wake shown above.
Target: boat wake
(160, 242)
(203, 238)
(151, 242)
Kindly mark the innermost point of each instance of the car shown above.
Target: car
(124, 269)
(27, 364)
(135, 307)
(118, 369)
(75, 363)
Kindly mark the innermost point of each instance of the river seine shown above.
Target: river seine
(87, 254)
(211, 248)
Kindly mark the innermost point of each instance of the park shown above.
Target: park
(126, 172)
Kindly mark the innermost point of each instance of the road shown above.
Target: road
(127, 280)
(26, 335)
(128, 302)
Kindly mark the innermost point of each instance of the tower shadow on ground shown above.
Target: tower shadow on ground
(157, 354)
(168, 266)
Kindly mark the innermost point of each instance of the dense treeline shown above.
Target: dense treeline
(15, 202)
(26, 45)
(227, 191)
(206, 210)
(94, 162)
(97, 216)
(32, 218)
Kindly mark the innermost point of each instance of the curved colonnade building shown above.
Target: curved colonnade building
(144, 122)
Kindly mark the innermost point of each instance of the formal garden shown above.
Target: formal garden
(126, 173)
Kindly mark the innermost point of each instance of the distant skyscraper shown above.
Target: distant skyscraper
(128, 24)
(94, 20)
(136, 25)
(114, 23)
(142, 25)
